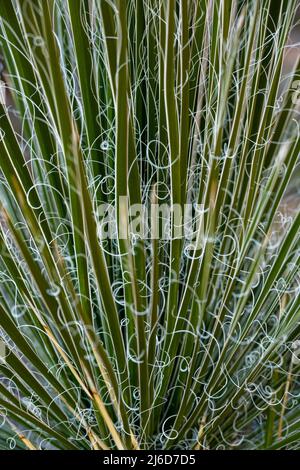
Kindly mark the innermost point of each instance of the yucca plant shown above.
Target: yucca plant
(115, 335)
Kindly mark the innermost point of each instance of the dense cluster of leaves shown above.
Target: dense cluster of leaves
(134, 342)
